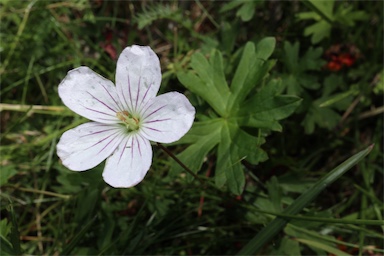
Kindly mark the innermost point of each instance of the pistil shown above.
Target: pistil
(132, 123)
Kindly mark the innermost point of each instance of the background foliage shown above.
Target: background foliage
(319, 61)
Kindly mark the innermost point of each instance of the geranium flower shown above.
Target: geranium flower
(125, 117)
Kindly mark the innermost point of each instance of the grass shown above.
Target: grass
(48, 210)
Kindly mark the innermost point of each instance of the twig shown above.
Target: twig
(200, 209)
(24, 108)
(180, 163)
(350, 109)
(48, 193)
(372, 112)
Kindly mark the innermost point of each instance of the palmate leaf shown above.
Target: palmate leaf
(325, 16)
(246, 8)
(296, 79)
(248, 102)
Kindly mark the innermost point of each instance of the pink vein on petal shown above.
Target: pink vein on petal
(122, 152)
(148, 106)
(101, 102)
(106, 119)
(145, 94)
(138, 93)
(129, 90)
(138, 146)
(98, 132)
(101, 140)
(111, 96)
(144, 132)
(132, 148)
(97, 111)
(153, 129)
(153, 112)
(107, 144)
(125, 100)
(158, 120)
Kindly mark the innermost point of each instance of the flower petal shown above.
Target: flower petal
(129, 163)
(167, 117)
(138, 76)
(87, 145)
(90, 95)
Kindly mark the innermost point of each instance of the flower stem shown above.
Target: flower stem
(180, 163)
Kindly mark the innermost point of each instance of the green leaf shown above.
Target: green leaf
(202, 143)
(323, 8)
(252, 68)
(228, 162)
(322, 111)
(7, 172)
(235, 146)
(312, 59)
(275, 226)
(332, 83)
(246, 103)
(5, 228)
(308, 16)
(324, 15)
(265, 47)
(243, 68)
(209, 81)
(308, 82)
(267, 107)
(297, 79)
(323, 117)
(228, 36)
(246, 11)
(319, 31)
(230, 5)
(291, 58)
(348, 17)
(292, 85)
(6, 246)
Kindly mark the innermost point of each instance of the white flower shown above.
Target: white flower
(126, 117)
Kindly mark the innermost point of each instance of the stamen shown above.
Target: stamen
(131, 123)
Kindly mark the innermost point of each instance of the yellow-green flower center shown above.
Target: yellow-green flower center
(132, 123)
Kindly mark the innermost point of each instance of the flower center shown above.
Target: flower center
(132, 123)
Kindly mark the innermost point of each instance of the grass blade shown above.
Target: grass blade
(321, 246)
(15, 235)
(302, 201)
(69, 247)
